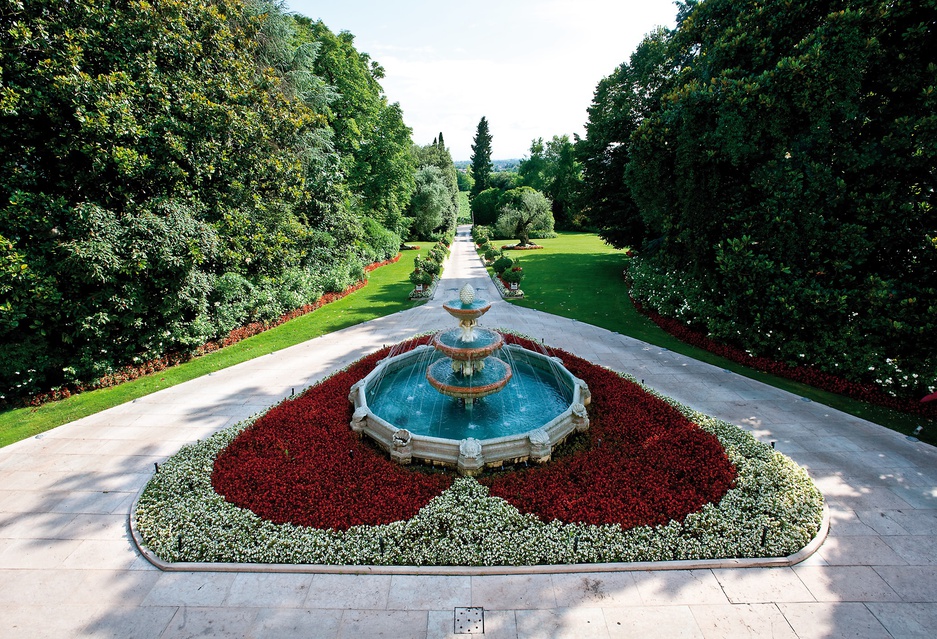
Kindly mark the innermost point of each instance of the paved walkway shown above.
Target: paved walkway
(68, 567)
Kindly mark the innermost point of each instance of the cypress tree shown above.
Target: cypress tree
(481, 158)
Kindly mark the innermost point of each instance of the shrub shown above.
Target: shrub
(430, 266)
(513, 275)
(502, 263)
(486, 206)
(492, 254)
(378, 243)
(421, 277)
(481, 233)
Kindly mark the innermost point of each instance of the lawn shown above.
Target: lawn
(578, 276)
(386, 293)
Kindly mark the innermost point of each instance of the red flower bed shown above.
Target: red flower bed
(643, 462)
(301, 463)
(804, 374)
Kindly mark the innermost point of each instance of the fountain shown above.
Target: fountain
(454, 403)
(469, 350)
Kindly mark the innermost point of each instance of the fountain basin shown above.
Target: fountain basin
(484, 343)
(439, 439)
(466, 383)
(467, 311)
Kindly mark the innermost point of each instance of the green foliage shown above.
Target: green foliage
(438, 156)
(378, 243)
(514, 274)
(505, 180)
(784, 166)
(554, 170)
(481, 158)
(492, 254)
(525, 212)
(369, 134)
(418, 276)
(427, 265)
(481, 233)
(621, 102)
(171, 169)
(502, 263)
(486, 206)
(431, 202)
(465, 181)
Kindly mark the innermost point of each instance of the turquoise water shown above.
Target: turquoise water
(494, 371)
(532, 398)
(453, 338)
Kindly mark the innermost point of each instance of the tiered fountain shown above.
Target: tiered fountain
(473, 373)
(456, 404)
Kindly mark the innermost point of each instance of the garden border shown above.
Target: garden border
(474, 571)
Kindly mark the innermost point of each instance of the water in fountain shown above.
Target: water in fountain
(458, 389)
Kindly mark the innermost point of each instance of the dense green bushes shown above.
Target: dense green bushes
(172, 170)
(775, 163)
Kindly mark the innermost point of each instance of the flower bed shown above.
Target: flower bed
(518, 247)
(687, 498)
(804, 374)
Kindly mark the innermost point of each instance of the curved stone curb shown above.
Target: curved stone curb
(475, 571)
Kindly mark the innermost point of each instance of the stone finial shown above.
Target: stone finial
(467, 294)
(540, 448)
(580, 417)
(359, 419)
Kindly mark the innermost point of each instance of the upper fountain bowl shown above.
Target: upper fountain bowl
(467, 308)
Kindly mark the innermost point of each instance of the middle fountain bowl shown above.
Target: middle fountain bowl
(530, 405)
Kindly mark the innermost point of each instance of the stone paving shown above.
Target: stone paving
(68, 567)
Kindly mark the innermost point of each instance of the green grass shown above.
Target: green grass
(465, 209)
(578, 276)
(386, 293)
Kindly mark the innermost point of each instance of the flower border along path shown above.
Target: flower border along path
(772, 515)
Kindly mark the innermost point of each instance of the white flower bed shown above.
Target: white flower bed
(774, 510)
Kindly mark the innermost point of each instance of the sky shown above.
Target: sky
(529, 66)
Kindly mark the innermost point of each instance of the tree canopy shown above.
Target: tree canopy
(554, 170)
(776, 162)
(171, 170)
(439, 187)
(481, 158)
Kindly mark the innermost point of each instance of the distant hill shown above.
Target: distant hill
(499, 165)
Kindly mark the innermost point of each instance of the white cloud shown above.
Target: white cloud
(529, 66)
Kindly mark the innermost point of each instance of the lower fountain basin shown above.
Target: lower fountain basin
(538, 409)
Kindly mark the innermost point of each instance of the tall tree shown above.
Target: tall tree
(554, 169)
(787, 171)
(437, 156)
(524, 211)
(481, 158)
(621, 102)
(369, 133)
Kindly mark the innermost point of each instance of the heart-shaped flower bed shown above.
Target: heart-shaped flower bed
(641, 463)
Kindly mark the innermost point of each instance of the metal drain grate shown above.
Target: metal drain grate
(469, 621)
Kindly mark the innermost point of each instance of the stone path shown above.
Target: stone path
(68, 567)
